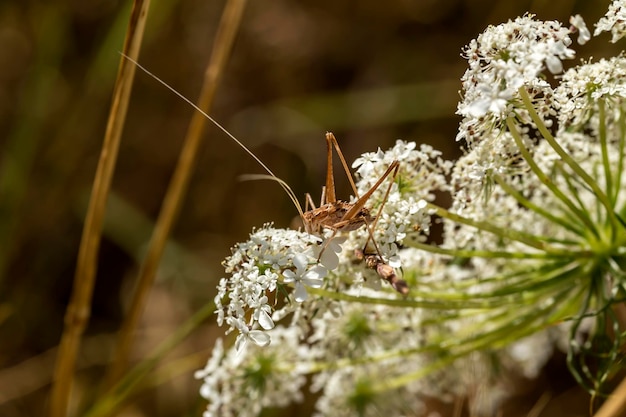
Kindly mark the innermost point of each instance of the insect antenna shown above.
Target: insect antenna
(271, 175)
(283, 184)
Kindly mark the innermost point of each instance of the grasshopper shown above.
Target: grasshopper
(338, 215)
(332, 214)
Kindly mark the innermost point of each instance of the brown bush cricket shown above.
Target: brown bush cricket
(332, 214)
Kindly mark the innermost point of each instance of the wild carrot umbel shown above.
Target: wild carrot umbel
(532, 259)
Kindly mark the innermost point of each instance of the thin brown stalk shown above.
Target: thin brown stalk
(79, 308)
(615, 405)
(134, 380)
(540, 405)
(174, 196)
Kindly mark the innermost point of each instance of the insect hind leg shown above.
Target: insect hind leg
(392, 171)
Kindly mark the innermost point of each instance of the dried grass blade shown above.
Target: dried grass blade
(78, 310)
(172, 202)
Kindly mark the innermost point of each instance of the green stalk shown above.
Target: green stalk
(492, 339)
(615, 405)
(520, 275)
(569, 160)
(462, 300)
(489, 254)
(604, 146)
(573, 191)
(620, 161)
(533, 207)
(545, 180)
(537, 242)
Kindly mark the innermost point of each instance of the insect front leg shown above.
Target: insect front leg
(308, 203)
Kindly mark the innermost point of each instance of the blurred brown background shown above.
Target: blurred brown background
(370, 71)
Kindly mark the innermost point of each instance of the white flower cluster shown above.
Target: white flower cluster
(256, 268)
(501, 60)
(584, 87)
(423, 173)
(544, 185)
(533, 241)
(614, 21)
(241, 384)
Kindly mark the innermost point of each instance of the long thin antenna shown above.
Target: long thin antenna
(282, 183)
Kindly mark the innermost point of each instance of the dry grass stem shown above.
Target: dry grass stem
(615, 405)
(130, 382)
(172, 202)
(78, 310)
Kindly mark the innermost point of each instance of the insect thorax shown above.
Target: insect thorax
(331, 216)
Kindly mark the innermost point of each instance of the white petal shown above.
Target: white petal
(240, 343)
(476, 109)
(583, 33)
(316, 273)
(265, 320)
(313, 282)
(336, 242)
(358, 162)
(300, 261)
(260, 338)
(554, 64)
(329, 259)
(300, 294)
(289, 275)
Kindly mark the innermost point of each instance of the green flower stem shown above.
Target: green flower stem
(534, 207)
(440, 346)
(607, 344)
(545, 180)
(616, 270)
(528, 287)
(539, 282)
(620, 161)
(573, 190)
(575, 362)
(537, 242)
(427, 300)
(443, 301)
(569, 160)
(500, 312)
(522, 274)
(489, 254)
(318, 366)
(445, 346)
(515, 312)
(605, 153)
(528, 291)
(497, 338)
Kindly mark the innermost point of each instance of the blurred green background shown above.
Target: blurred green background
(371, 72)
